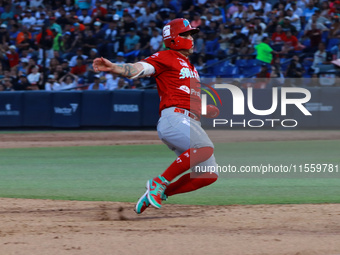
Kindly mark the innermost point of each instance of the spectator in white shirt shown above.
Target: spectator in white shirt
(258, 22)
(68, 81)
(132, 8)
(240, 12)
(28, 20)
(314, 21)
(51, 83)
(250, 13)
(296, 10)
(85, 18)
(38, 13)
(257, 4)
(148, 16)
(111, 81)
(34, 78)
(39, 23)
(320, 57)
(294, 19)
(156, 41)
(319, 18)
(217, 15)
(265, 6)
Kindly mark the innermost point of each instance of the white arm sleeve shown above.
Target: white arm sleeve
(147, 70)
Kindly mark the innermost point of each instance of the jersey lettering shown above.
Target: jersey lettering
(182, 62)
(187, 73)
(185, 89)
(196, 93)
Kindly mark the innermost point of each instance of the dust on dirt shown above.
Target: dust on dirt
(29, 226)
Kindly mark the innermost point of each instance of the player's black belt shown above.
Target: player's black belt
(187, 113)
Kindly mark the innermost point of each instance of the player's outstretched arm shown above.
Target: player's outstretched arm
(127, 70)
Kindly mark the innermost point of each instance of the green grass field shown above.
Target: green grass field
(119, 173)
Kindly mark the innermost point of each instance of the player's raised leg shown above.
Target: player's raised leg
(185, 161)
(193, 180)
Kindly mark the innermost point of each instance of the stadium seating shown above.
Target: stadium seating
(332, 42)
(300, 34)
(284, 63)
(226, 70)
(247, 67)
(325, 37)
(306, 42)
(252, 62)
(307, 63)
(210, 65)
(251, 71)
(212, 47)
(241, 63)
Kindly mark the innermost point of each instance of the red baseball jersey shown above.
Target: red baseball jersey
(178, 81)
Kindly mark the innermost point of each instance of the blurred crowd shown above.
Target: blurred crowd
(50, 45)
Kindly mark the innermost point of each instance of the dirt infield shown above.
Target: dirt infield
(88, 228)
(64, 227)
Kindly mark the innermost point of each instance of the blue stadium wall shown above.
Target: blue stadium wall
(139, 109)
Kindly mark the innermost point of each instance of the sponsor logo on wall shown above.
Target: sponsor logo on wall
(66, 111)
(8, 111)
(125, 108)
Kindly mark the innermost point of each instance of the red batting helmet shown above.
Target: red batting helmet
(173, 29)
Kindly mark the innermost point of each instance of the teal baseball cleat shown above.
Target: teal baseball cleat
(142, 203)
(156, 188)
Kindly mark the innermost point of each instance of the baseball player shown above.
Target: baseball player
(179, 126)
